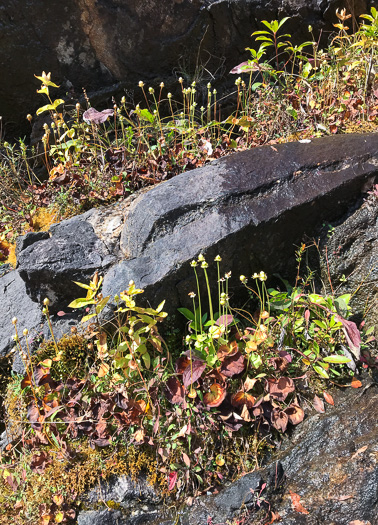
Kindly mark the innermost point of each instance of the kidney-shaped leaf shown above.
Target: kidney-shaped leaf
(280, 388)
(242, 398)
(97, 117)
(233, 365)
(295, 414)
(279, 419)
(216, 395)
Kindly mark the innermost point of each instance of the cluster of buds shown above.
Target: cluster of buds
(261, 276)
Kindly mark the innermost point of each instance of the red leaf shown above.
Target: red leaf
(328, 398)
(61, 313)
(194, 372)
(172, 478)
(297, 506)
(318, 405)
(356, 383)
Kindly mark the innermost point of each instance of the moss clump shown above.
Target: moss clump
(74, 357)
(69, 474)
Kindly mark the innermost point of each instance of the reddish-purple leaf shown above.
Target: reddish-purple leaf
(102, 442)
(39, 463)
(286, 355)
(352, 335)
(245, 67)
(174, 390)
(194, 372)
(295, 414)
(181, 363)
(11, 482)
(225, 320)
(34, 417)
(172, 478)
(97, 117)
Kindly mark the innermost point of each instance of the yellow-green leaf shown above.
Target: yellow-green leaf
(48, 107)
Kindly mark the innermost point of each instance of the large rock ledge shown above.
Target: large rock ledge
(251, 208)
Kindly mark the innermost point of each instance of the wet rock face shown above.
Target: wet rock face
(97, 45)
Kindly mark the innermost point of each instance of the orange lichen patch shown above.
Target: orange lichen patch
(43, 218)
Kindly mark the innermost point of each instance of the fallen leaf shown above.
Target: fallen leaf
(356, 383)
(279, 419)
(274, 517)
(297, 506)
(58, 499)
(139, 435)
(328, 398)
(97, 117)
(245, 414)
(249, 383)
(103, 370)
(318, 405)
(359, 451)
(280, 388)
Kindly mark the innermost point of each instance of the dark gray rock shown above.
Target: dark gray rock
(72, 253)
(251, 208)
(123, 488)
(331, 462)
(352, 252)
(15, 302)
(109, 46)
(100, 517)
